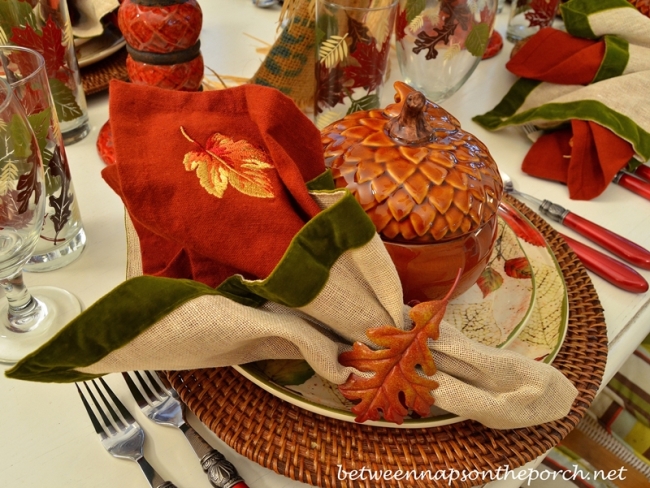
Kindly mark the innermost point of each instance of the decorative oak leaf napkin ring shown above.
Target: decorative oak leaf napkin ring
(240, 249)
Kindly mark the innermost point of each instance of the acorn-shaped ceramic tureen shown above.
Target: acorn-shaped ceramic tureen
(431, 189)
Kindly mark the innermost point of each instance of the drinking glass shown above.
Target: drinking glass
(27, 320)
(529, 16)
(352, 45)
(44, 26)
(440, 42)
(62, 236)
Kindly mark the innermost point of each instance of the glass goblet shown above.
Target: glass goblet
(26, 321)
(440, 42)
(62, 235)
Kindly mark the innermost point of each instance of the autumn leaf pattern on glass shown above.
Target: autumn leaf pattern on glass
(18, 177)
(51, 42)
(452, 23)
(223, 162)
(353, 55)
(61, 203)
(541, 13)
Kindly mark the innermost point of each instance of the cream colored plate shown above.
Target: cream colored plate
(95, 49)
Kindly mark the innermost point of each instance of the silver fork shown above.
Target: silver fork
(161, 404)
(532, 131)
(121, 435)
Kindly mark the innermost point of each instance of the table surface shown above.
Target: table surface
(47, 437)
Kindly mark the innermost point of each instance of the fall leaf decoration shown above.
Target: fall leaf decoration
(489, 281)
(19, 25)
(542, 13)
(441, 35)
(223, 162)
(518, 268)
(396, 386)
(333, 51)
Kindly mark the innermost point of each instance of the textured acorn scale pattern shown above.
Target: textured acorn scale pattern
(425, 193)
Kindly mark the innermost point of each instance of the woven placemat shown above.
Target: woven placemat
(96, 77)
(309, 447)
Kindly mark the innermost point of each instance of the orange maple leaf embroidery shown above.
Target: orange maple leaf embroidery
(396, 386)
(223, 162)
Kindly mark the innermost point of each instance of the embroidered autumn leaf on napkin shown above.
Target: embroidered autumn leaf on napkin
(396, 386)
(223, 162)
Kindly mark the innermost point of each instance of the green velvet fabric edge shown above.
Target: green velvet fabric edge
(324, 181)
(110, 323)
(304, 268)
(617, 56)
(575, 14)
(508, 106)
(591, 110)
(135, 305)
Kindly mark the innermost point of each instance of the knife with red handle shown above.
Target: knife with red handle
(608, 268)
(614, 243)
(634, 184)
(643, 172)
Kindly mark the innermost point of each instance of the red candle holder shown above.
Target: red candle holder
(162, 41)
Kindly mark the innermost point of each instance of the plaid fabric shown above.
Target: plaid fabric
(623, 407)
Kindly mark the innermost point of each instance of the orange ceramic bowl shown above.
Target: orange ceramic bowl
(428, 271)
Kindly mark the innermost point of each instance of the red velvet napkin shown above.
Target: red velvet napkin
(585, 155)
(554, 56)
(213, 181)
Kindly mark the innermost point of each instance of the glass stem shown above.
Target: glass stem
(25, 312)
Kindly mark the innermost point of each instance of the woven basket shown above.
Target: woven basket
(96, 77)
(308, 447)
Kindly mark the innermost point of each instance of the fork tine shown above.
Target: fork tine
(163, 387)
(126, 416)
(145, 382)
(156, 384)
(109, 426)
(99, 428)
(135, 390)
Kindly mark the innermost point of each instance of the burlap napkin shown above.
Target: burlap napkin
(195, 219)
(589, 87)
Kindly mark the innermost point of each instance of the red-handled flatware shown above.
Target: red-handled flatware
(643, 172)
(608, 268)
(634, 184)
(614, 243)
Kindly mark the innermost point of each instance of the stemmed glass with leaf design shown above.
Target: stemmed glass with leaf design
(26, 320)
(440, 42)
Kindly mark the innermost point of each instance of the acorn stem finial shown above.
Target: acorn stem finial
(411, 126)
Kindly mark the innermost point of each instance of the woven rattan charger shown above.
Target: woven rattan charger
(96, 77)
(309, 447)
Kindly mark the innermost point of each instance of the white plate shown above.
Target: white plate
(95, 49)
(538, 336)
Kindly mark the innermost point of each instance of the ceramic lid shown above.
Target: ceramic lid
(418, 175)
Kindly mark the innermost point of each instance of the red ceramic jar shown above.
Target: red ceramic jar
(431, 189)
(160, 26)
(181, 76)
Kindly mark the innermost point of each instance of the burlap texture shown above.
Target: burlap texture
(289, 65)
(496, 387)
(620, 94)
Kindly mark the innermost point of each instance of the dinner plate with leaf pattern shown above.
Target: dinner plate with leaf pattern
(497, 311)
